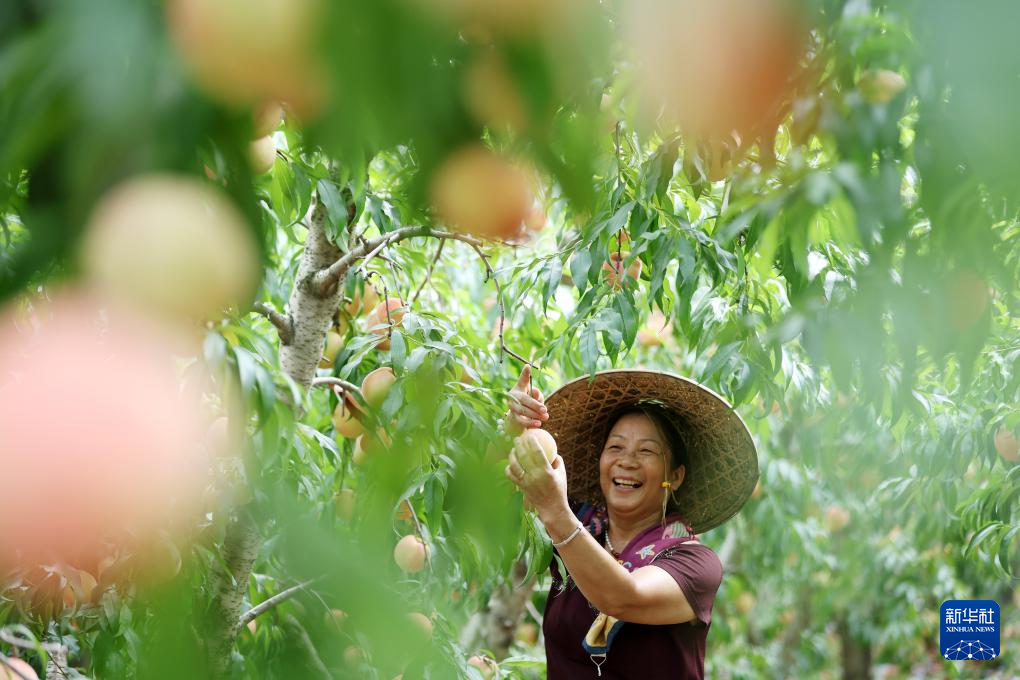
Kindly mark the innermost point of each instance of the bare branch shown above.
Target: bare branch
(314, 660)
(266, 605)
(490, 274)
(323, 281)
(282, 323)
(336, 382)
(428, 272)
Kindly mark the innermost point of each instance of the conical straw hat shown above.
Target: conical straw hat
(722, 464)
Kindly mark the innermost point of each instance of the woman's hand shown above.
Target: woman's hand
(544, 483)
(527, 407)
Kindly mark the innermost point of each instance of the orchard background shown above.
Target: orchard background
(810, 207)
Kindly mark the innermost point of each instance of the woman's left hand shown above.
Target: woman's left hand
(544, 483)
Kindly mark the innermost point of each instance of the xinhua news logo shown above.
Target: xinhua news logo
(970, 630)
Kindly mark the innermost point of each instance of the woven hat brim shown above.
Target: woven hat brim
(722, 460)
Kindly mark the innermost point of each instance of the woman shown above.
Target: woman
(645, 459)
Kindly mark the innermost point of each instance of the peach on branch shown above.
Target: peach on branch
(410, 554)
(386, 315)
(376, 386)
(369, 445)
(266, 118)
(344, 504)
(618, 272)
(262, 154)
(880, 86)
(1007, 444)
(836, 518)
(715, 67)
(334, 343)
(346, 419)
(422, 623)
(486, 666)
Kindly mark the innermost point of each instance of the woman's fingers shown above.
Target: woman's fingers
(528, 405)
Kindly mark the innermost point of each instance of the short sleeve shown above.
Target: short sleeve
(698, 571)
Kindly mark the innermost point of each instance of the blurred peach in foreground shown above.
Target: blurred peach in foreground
(249, 51)
(478, 192)
(96, 440)
(12, 668)
(171, 244)
(716, 66)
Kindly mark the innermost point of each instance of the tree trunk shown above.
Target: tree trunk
(310, 317)
(494, 626)
(229, 583)
(856, 654)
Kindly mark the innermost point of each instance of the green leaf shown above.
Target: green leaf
(398, 350)
(580, 263)
(336, 213)
(589, 349)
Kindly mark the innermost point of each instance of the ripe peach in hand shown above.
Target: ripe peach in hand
(410, 554)
(535, 439)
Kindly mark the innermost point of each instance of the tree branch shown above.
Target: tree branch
(282, 323)
(428, 272)
(268, 604)
(325, 280)
(314, 660)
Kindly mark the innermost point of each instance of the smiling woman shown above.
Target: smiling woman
(645, 460)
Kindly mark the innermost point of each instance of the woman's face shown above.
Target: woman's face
(632, 467)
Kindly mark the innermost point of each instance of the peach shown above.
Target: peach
(266, 118)
(410, 554)
(1007, 444)
(377, 322)
(615, 274)
(376, 386)
(262, 154)
(158, 241)
(478, 192)
(538, 439)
